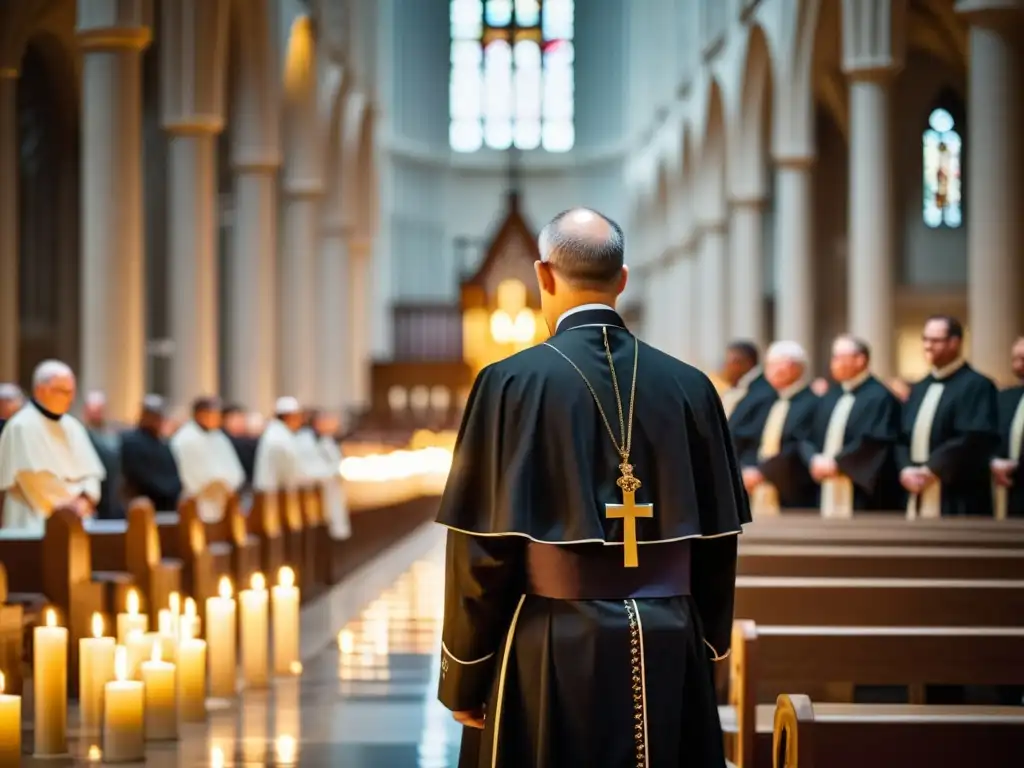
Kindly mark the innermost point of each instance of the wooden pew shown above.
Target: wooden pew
(56, 569)
(299, 544)
(810, 735)
(245, 546)
(265, 524)
(203, 562)
(879, 602)
(12, 634)
(316, 530)
(840, 561)
(870, 535)
(132, 546)
(768, 660)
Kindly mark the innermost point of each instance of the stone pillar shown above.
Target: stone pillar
(689, 302)
(112, 36)
(193, 52)
(794, 298)
(298, 344)
(359, 286)
(746, 300)
(9, 220)
(872, 54)
(995, 234)
(332, 319)
(713, 304)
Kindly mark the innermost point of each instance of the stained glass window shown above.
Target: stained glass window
(941, 147)
(512, 77)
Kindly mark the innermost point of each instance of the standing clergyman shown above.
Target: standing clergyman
(563, 640)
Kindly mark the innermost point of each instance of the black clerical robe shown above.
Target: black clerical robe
(962, 439)
(1011, 445)
(758, 391)
(108, 447)
(786, 470)
(611, 679)
(149, 469)
(245, 448)
(868, 443)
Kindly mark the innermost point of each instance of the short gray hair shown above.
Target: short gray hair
(583, 260)
(48, 370)
(787, 350)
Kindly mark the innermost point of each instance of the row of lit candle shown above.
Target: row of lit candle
(140, 685)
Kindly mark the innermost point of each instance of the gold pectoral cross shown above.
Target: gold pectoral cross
(628, 511)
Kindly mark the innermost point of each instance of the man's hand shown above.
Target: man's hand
(472, 718)
(823, 468)
(912, 479)
(83, 507)
(1003, 471)
(752, 478)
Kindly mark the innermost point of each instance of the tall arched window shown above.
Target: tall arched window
(941, 148)
(512, 77)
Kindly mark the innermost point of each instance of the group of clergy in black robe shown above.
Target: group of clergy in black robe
(952, 448)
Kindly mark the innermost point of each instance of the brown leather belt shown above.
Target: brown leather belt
(595, 571)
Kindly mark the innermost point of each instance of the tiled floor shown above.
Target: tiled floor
(367, 701)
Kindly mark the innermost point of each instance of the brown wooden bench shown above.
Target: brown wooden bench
(880, 602)
(902, 562)
(245, 546)
(854, 533)
(768, 660)
(810, 735)
(299, 544)
(183, 536)
(12, 635)
(132, 546)
(264, 523)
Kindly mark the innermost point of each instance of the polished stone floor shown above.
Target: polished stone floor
(366, 701)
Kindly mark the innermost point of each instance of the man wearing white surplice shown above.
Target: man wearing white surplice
(278, 456)
(320, 459)
(46, 458)
(207, 463)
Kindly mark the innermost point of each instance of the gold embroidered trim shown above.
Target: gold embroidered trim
(637, 681)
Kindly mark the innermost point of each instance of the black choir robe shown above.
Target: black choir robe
(787, 470)
(534, 461)
(245, 448)
(1008, 402)
(868, 456)
(149, 469)
(758, 391)
(964, 438)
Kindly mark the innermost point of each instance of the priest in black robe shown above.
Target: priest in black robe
(1008, 487)
(853, 437)
(236, 427)
(742, 371)
(147, 464)
(556, 650)
(769, 432)
(950, 431)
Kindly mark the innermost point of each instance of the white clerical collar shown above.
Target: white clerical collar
(856, 381)
(946, 371)
(793, 389)
(581, 308)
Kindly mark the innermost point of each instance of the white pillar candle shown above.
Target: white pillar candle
(285, 612)
(167, 634)
(255, 631)
(132, 620)
(123, 720)
(174, 604)
(50, 687)
(161, 686)
(192, 677)
(95, 670)
(189, 624)
(10, 728)
(139, 648)
(221, 640)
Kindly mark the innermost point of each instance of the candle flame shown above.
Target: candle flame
(97, 624)
(259, 582)
(216, 757)
(224, 588)
(3, 682)
(296, 667)
(175, 603)
(94, 755)
(190, 607)
(155, 655)
(132, 602)
(286, 577)
(286, 749)
(51, 617)
(121, 663)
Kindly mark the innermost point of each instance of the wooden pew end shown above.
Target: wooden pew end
(794, 731)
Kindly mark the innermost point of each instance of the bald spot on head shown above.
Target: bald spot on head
(584, 247)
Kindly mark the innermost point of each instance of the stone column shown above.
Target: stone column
(689, 302)
(112, 36)
(794, 299)
(995, 234)
(9, 220)
(746, 300)
(360, 285)
(193, 53)
(872, 54)
(332, 319)
(298, 344)
(713, 307)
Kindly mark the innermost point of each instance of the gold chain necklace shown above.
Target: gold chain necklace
(629, 510)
